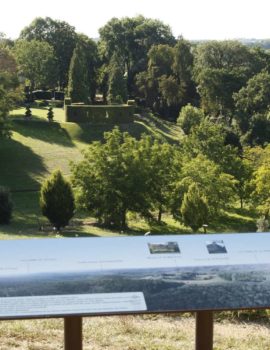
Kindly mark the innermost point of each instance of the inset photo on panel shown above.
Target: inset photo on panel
(216, 247)
(164, 248)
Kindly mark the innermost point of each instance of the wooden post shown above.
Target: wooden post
(204, 330)
(73, 333)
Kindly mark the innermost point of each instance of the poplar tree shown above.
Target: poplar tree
(78, 82)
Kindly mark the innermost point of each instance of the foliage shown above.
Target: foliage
(50, 114)
(9, 89)
(56, 200)
(78, 89)
(113, 178)
(252, 103)
(261, 194)
(108, 114)
(215, 185)
(189, 117)
(6, 206)
(37, 63)
(28, 112)
(221, 68)
(123, 174)
(90, 52)
(131, 39)
(194, 208)
(60, 35)
(117, 92)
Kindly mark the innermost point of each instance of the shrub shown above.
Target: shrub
(50, 114)
(189, 117)
(6, 206)
(57, 200)
(194, 208)
(28, 112)
(99, 114)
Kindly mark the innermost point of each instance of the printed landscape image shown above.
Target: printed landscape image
(167, 289)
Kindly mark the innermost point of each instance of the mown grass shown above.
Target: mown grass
(38, 147)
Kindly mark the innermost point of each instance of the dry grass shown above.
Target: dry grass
(132, 333)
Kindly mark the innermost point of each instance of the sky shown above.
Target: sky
(193, 19)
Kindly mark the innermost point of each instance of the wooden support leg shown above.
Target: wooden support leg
(204, 330)
(73, 333)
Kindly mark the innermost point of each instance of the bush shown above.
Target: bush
(28, 112)
(50, 114)
(189, 117)
(6, 206)
(57, 200)
(194, 208)
(99, 114)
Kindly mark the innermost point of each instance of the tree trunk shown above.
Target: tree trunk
(160, 214)
(123, 218)
(241, 203)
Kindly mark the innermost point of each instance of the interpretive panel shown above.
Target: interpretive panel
(69, 276)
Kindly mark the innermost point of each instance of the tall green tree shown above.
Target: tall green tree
(78, 89)
(10, 92)
(130, 39)
(89, 47)
(194, 208)
(60, 35)
(221, 69)
(183, 69)
(117, 90)
(214, 184)
(37, 63)
(253, 99)
(113, 178)
(57, 200)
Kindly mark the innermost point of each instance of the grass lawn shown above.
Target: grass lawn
(133, 332)
(38, 147)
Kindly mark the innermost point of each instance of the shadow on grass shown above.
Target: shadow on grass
(43, 131)
(20, 166)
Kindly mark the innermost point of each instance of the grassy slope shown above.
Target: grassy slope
(37, 147)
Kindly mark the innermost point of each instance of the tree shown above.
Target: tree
(189, 117)
(90, 51)
(117, 91)
(253, 99)
(56, 200)
(131, 39)
(6, 206)
(215, 185)
(60, 35)
(194, 208)
(10, 92)
(78, 89)
(113, 178)
(261, 194)
(37, 63)
(221, 69)
(182, 70)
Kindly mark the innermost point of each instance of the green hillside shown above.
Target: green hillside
(38, 147)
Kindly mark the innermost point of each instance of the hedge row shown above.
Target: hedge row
(99, 114)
